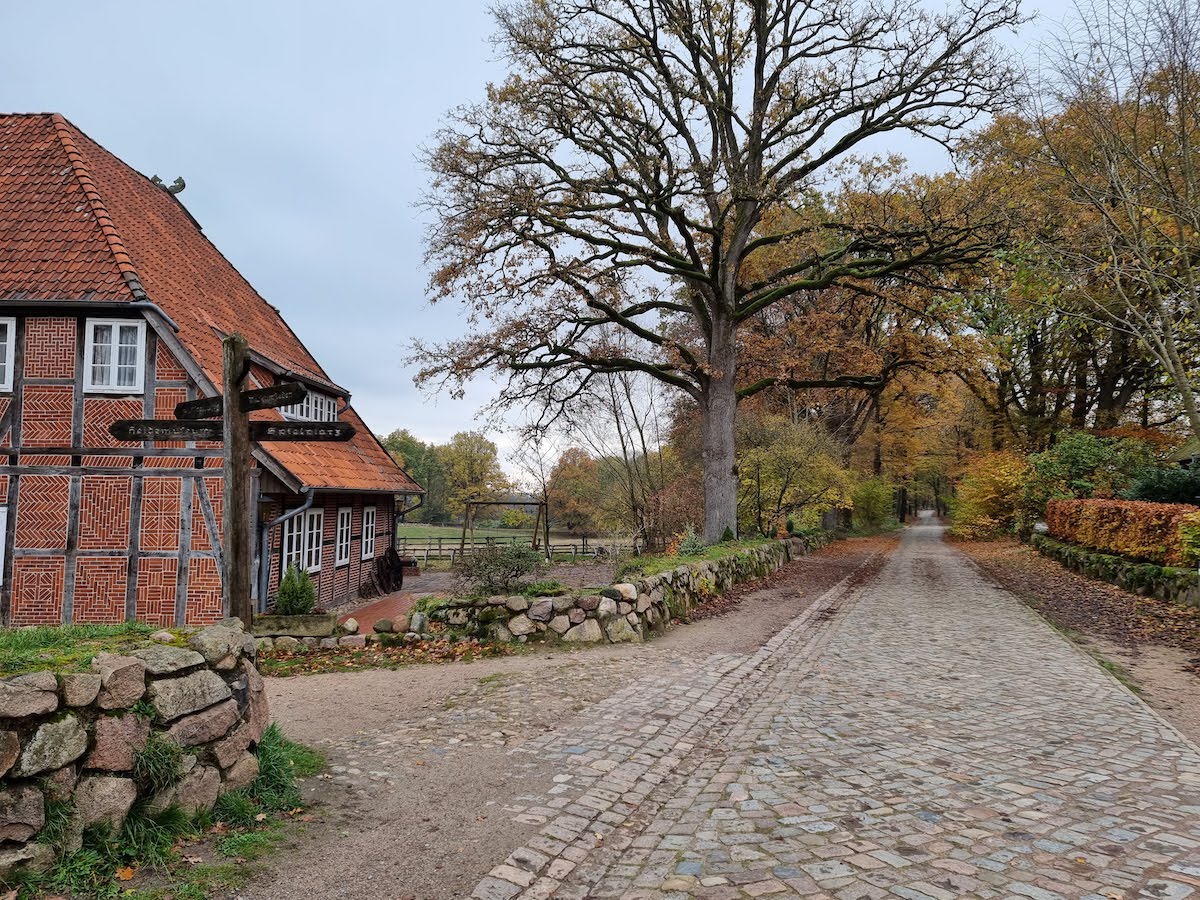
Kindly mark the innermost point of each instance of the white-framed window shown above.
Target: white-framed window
(344, 515)
(114, 356)
(368, 532)
(314, 531)
(8, 342)
(315, 407)
(293, 542)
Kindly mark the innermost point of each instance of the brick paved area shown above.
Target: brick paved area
(921, 736)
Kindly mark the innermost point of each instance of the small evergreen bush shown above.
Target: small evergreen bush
(691, 544)
(1165, 486)
(297, 593)
(727, 535)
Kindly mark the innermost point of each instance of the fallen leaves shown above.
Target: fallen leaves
(1074, 601)
(126, 873)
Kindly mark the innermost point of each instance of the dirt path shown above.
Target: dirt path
(428, 778)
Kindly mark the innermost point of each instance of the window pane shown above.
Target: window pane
(102, 354)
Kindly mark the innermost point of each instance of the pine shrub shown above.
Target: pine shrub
(297, 594)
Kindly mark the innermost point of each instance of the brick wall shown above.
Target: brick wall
(93, 536)
(337, 584)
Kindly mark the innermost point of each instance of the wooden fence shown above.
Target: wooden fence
(425, 549)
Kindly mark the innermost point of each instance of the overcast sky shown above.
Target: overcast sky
(297, 126)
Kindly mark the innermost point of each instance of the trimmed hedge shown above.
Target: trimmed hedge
(1163, 533)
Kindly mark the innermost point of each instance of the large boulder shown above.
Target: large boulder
(10, 749)
(542, 611)
(122, 680)
(175, 697)
(39, 681)
(626, 590)
(197, 790)
(560, 624)
(206, 725)
(80, 688)
(563, 603)
(52, 746)
(22, 812)
(118, 739)
(241, 774)
(619, 631)
(18, 701)
(588, 603)
(220, 645)
(31, 857)
(607, 608)
(517, 603)
(587, 631)
(60, 784)
(167, 660)
(521, 625)
(103, 799)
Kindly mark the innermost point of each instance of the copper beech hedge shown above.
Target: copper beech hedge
(1163, 533)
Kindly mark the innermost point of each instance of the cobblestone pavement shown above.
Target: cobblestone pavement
(920, 736)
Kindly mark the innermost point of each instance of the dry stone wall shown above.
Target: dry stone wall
(626, 611)
(76, 736)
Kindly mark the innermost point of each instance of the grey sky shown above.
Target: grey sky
(297, 127)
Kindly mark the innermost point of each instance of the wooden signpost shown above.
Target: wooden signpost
(264, 398)
(166, 430)
(231, 425)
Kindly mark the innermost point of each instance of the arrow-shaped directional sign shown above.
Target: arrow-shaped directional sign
(301, 431)
(264, 398)
(164, 430)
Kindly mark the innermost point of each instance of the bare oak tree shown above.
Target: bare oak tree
(641, 153)
(1122, 142)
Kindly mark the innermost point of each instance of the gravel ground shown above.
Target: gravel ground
(1154, 644)
(424, 785)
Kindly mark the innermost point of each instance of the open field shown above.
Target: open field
(423, 532)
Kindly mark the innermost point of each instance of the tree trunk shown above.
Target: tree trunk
(718, 406)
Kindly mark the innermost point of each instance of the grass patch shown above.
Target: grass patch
(158, 765)
(549, 588)
(67, 648)
(248, 844)
(249, 828)
(1119, 672)
(642, 566)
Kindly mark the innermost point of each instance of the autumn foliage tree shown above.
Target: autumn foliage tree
(643, 156)
(574, 492)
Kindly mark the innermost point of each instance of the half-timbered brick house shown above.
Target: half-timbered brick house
(113, 305)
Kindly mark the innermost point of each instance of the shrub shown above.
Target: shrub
(1165, 486)
(500, 568)
(874, 502)
(989, 496)
(297, 593)
(1163, 533)
(727, 535)
(1081, 465)
(690, 544)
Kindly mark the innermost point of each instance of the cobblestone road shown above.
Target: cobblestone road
(923, 735)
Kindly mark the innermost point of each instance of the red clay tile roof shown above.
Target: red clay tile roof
(78, 223)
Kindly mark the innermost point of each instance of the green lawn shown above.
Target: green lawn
(65, 647)
(448, 533)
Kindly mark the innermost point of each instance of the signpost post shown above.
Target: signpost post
(237, 553)
(213, 419)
